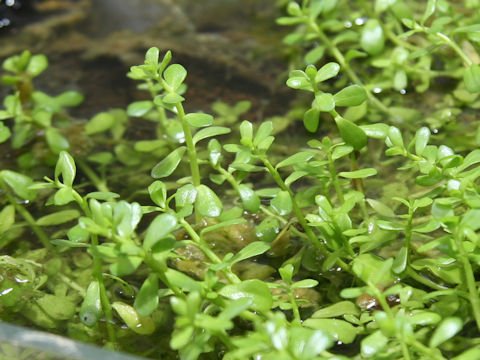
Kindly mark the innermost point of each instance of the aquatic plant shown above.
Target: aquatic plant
(359, 244)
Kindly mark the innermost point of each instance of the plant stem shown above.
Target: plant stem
(192, 152)
(469, 277)
(297, 211)
(453, 45)
(99, 183)
(334, 177)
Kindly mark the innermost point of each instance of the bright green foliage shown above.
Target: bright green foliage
(367, 236)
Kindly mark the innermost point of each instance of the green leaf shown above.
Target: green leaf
(471, 78)
(160, 227)
(358, 174)
(429, 10)
(250, 200)
(297, 158)
(168, 165)
(352, 95)
(400, 262)
(421, 140)
(174, 75)
(125, 265)
(282, 203)
(19, 184)
(185, 195)
(158, 193)
(380, 208)
(66, 168)
(373, 343)
(56, 141)
(60, 217)
(263, 133)
(324, 102)
(64, 196)
(338, 309)
(147, 298)
(376, 131)
(251, 250)
(184, 282)
(151, 56)
(102, 195)
(311, 119)
(5, 132)
(91, 308)
(447, 329)
(395, 137)
(7, 218)
(352, 134)
(209, 132)
(314, 55)
(373, 39)
(139, 108)
(172, 98)
(340, 330)
(57, 307)
(207, 202)
(37, 64)
(69, 98)
(199, 119)
(142, 326)
(254, 289)
(327, 71)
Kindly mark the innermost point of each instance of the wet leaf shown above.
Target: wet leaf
(160, 227)
(19, 184)
(250, 200)
(311, 119)
(251, 250)
(199, 119)
(352, 134)
(254, 289)
(327, 71)
(352, 95)
(174, 75)
(358, 174)
(447, 329)
(147, 298)
(373, 343)
(339, 330)
(66, 168)
(140, 325)
(207, 202)
(282, 203)
(373, 39)
(37, 64)
(168, 165)
(60, 217)
(209, 132)
(139, 108)
(338, 309)
(91, 308)
(324, 102)
(300, 157)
